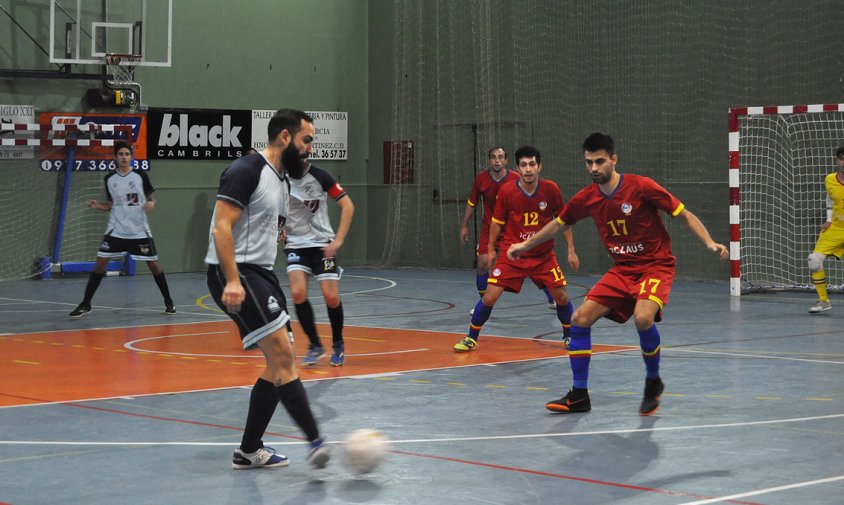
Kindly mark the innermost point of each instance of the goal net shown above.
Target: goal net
(779, 157)
(57, 227)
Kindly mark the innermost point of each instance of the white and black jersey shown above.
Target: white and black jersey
(307, 223)
(253, 185)
(128, 194)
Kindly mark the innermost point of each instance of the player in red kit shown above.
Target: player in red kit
(522, 208)
(625, 209)
(484, 191)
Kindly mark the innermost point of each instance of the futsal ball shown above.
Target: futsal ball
(364, 450)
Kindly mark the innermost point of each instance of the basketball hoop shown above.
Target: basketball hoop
(122, 67)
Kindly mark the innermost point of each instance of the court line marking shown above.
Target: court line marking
(786, 487)
(744, 354)
(313, 379)
(107, 328)
(619, 349)
(390, 284)
(130, 345)
(449, 440)
(107, 307)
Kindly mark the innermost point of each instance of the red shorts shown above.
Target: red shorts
(543, 271)
(482, 249)
(619, 289)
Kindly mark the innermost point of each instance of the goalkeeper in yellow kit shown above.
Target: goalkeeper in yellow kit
(831, 238)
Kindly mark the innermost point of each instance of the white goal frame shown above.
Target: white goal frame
(735, 116)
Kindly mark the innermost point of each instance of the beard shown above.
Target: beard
(294, 162)
(600, 178)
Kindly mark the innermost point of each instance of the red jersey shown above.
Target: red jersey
(485, 189)
(628, 220)
(522, 215)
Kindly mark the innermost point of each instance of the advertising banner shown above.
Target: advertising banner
(198, 134)
(331, 139)
(93, 157)
(17, 114)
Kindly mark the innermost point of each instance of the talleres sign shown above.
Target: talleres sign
(331, 133)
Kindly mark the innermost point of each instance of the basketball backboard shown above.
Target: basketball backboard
(84, 31)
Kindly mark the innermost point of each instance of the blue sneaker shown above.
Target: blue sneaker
(319, 454)
(264, 457)
(338, 357)
(314, 355)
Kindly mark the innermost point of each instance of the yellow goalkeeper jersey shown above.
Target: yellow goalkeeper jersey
(835, 191)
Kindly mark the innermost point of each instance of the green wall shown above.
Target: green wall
(658, 75)
(263, 54)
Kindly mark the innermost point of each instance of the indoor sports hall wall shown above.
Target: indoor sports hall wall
(226, 55)
(660, 75)
(453, 78)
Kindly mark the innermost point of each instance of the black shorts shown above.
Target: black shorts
(263, 311)
(311, 261)
(141, 249)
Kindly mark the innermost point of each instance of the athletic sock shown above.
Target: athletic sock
(295, 401)
(548, 295)
(305, 314)
(564, 315)
(161, 280)
(93, 283)
(262, 404)
(819, 280)
(335, 315)
(580, 353)
(650, 342)
(479, 317)
(480, 283)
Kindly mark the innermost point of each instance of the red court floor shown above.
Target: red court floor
(101, 363)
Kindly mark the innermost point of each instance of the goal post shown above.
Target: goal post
(46, 225)
(778, 158)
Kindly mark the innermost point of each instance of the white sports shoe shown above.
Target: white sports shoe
(820, 307)
(264, 457)
(552, 305)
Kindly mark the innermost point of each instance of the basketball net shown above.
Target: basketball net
(122, 67)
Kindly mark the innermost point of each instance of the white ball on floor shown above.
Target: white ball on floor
(364, 450)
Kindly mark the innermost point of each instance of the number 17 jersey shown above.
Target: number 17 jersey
(628, 220)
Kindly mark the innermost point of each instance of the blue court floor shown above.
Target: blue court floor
(753, 410)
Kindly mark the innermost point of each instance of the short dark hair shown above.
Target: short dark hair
(840, 152)
(598, 141)
(286, 119)
(528, 152)
(489, 153)
(120, 145)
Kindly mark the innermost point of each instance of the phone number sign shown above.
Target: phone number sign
(96, 157)
(331, 139)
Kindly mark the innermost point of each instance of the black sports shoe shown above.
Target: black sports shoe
(576, 400)
(80, 311)
(653, 390)
(170, 309)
